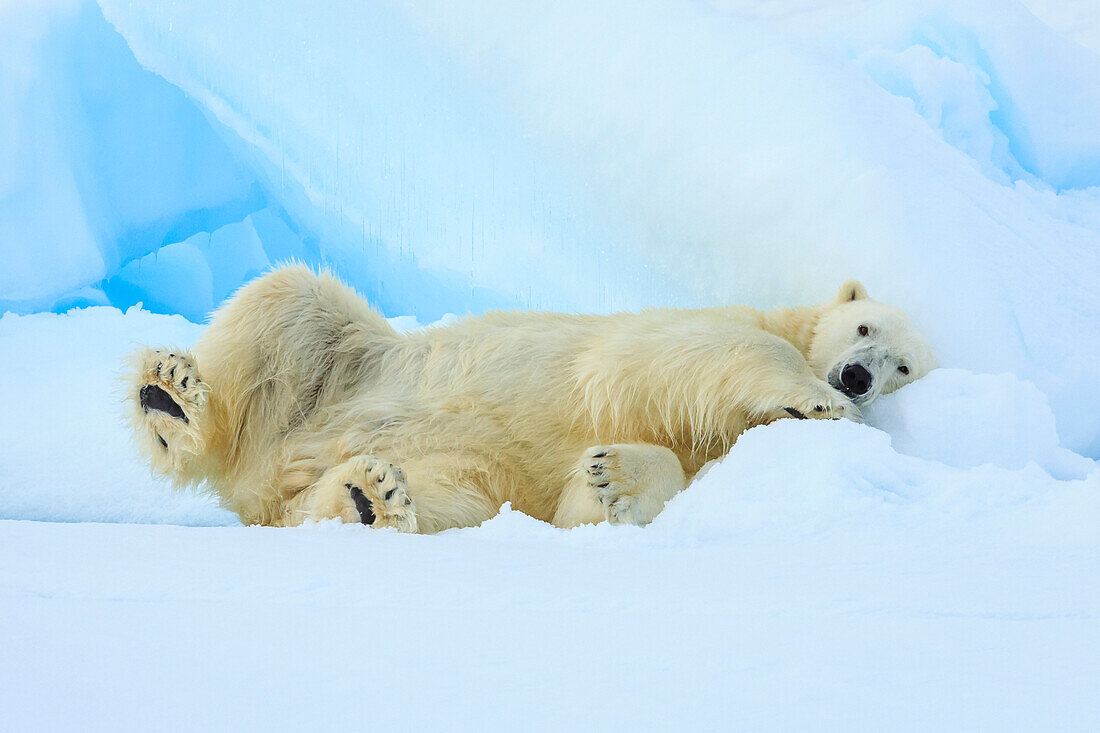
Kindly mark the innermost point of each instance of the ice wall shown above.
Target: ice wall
(117, 188)
(103, 162)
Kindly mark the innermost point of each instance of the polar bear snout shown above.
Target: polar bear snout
(855, 380)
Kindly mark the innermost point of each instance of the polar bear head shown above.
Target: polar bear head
(865, 348)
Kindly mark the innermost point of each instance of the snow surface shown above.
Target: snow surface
(916, 575)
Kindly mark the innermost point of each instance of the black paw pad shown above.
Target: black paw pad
(794, 413)
(362, 504)
(153, 397)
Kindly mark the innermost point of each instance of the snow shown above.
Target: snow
(978, 419)
(931, 569)
(1076, 19)
(67, 456)
(125, 627)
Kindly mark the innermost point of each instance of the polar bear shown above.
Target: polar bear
(300, 402)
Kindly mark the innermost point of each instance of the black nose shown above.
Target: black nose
(855, 379)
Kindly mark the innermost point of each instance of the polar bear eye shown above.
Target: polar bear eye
(903, 369)
(862, 330)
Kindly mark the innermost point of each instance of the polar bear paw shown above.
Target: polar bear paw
(821, 402)
(614, 487)
(171, 385)
(632, 481)
(378, 490)
(169, 400)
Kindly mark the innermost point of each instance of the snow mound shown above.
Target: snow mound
(796, 479)
(967, 420)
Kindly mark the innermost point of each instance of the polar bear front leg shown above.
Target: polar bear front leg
(771, 381)
(626, 483)
(813, 399)
(361, 490)
(167, 412)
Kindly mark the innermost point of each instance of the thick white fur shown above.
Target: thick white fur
(298, 390)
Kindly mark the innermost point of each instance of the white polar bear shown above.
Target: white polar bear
(300, 402)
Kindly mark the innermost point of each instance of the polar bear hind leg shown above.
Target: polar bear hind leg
(167, 409)
(627, 483)
(362, 490)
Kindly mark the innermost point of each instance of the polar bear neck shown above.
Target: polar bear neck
(794, 325)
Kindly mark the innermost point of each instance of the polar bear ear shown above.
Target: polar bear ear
(851, 290)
